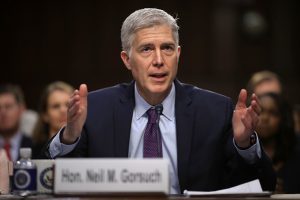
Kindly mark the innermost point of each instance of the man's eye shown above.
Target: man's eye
(55, 106)
(146, 49)
(168, 48)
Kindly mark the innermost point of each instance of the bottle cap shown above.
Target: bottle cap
(25, 153)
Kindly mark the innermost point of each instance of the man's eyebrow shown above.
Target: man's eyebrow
(162, 45)
(145, 44)
(168, 44)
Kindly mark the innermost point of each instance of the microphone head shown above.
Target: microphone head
(159, 109)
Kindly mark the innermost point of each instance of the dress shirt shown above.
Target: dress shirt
(167, 125)
(15, 143)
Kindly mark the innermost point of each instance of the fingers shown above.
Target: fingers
(77, 99)
(241, 99)
(74, 98)
(74, 105)
(248, 115)
(255, 104)
(250, 119)
(83, 91)
(255, 107)
(254, 117)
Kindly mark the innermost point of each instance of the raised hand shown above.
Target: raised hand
(245, 119)
(77, 111)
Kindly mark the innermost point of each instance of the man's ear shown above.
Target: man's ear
(125, 59)
(178, 52)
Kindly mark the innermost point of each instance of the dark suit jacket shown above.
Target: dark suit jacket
(207, 159)
(26, 141)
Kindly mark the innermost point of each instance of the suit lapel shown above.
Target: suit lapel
(184, 127)
(122, 119)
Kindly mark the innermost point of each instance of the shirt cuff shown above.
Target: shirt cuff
(251, 154)
(57, 148)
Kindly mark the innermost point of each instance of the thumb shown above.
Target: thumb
(242, 99)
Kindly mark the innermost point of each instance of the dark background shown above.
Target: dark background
(223, 42)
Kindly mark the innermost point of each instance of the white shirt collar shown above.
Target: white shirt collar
(14, 141)
(141, 106)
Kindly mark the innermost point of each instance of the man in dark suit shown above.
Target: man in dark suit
(12, 105)
(209, 146)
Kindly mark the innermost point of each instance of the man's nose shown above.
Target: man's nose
(158, 60)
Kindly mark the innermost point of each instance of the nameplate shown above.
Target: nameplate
(96, 176)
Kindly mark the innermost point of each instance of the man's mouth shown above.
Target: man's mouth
(158, 75)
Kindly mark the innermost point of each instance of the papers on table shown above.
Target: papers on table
(252, 188)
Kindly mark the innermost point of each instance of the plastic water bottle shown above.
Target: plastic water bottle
(25, 173)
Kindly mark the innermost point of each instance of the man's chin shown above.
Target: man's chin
(8, 132)
(159, 90)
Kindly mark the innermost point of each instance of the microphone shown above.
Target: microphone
(159, 109)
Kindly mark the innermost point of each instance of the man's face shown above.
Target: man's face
(269, 119)
(153, 61)
(56, 114)
(268, 86)
(10, 113)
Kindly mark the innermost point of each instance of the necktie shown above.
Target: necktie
(152, 136)
(7, 149)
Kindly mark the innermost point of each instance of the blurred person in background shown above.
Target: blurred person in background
(52, 113)
(276, 131)
(263, 82)
(28, 120)
(12, 105)
(266, 81)
(296, 113)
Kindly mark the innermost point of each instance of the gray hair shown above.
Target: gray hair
(145, 18)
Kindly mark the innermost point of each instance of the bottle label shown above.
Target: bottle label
(24, 179)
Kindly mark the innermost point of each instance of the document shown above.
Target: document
(252, 188)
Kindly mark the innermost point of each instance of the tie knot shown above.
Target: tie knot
(152, 115)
